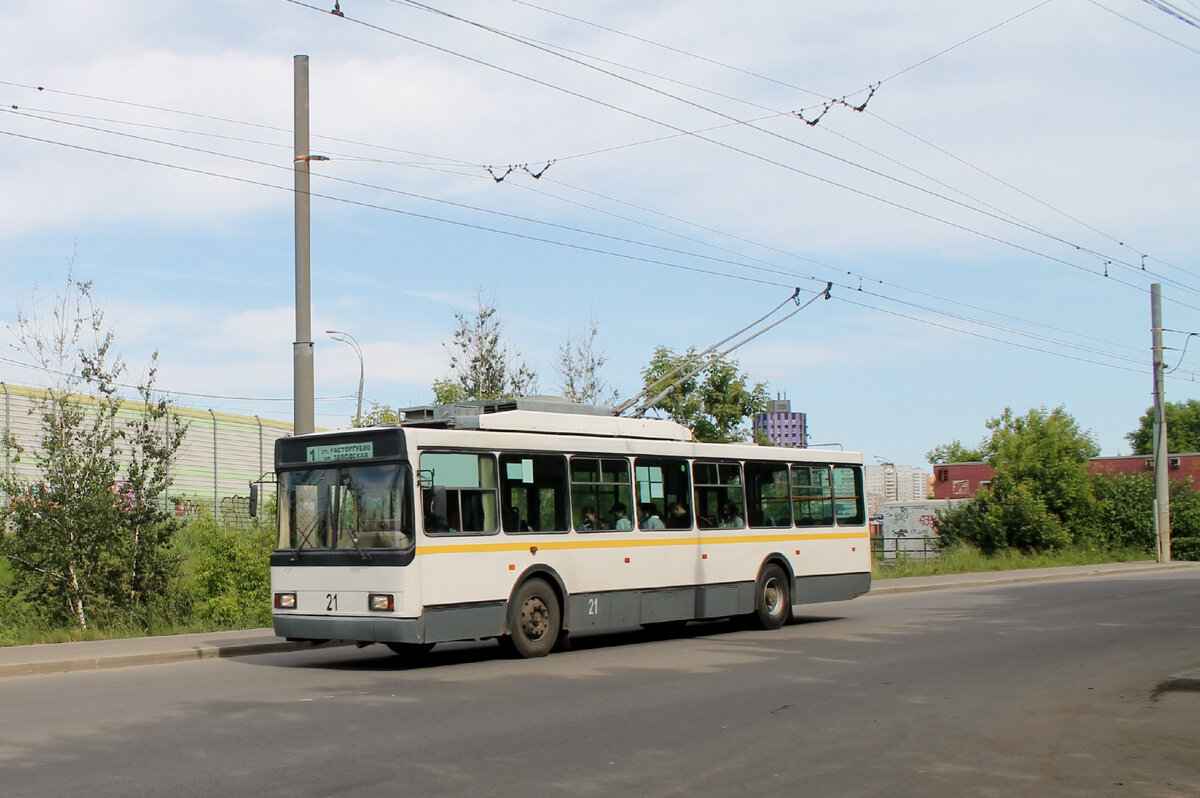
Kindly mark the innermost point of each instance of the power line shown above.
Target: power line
(1144, 27)
(402, 212)
(770, 267)
(168, 392)
(469, 207)
(1106, 261)
(1175, 11)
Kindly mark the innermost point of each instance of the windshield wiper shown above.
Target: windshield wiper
(354, 540)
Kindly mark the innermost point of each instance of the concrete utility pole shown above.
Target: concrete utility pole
(1162, 501)
(302, 348)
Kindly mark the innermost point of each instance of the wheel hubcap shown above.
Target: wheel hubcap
(772, 596)
(535, 618)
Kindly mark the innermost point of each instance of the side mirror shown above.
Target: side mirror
(254, 500)
(439, 500)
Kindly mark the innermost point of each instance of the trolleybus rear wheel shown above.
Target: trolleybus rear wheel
(534, 620)
(772, 598)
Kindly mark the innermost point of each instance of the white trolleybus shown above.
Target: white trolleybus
(490, 520)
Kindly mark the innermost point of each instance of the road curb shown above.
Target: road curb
(106, 662)
(881, 587)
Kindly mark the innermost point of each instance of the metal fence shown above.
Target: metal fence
(891, 549)
(221, 453)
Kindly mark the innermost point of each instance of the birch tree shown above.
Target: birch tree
(579, 367)
(84, 538)
(482, 364)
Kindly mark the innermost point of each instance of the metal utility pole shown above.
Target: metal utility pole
(302, 348)
(1162, 501)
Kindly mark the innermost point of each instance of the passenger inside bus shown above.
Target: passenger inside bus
(678, 516)
(649, 516)
(620, 519)
(590, 519)
(730, 519)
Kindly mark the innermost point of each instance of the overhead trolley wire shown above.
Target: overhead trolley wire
(452, 203)
(789, 273)
(399, 211)
(786, 84)
(1146, 28)
(1105, 260)
(771, 268)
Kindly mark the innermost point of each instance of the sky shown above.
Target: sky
(990, 187)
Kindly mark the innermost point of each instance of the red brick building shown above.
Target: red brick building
(963, 480)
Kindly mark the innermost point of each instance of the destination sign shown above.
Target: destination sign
(341, 451)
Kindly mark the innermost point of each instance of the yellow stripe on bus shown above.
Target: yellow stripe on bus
(609, 543)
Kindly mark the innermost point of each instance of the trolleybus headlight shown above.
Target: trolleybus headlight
(381, 602)
(285, 601)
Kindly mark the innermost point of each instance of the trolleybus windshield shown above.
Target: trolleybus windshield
(350, 507)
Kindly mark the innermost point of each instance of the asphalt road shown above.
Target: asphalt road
(1046, 688)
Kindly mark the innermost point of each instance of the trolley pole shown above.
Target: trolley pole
(302, 348)
(1162, 500)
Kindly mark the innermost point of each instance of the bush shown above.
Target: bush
(1004, 515)
(1185, 548)
(226, 579)
(1124, 511)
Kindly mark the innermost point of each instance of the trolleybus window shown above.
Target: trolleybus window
(470, 483)
(812, 498)
(344, 508)
(533, 491)
(719, 497)
(663, 493)
(848, 495)
(600, 494)
(769, 502)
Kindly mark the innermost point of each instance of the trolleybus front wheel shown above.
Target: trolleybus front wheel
(534, 620)
(772, 598)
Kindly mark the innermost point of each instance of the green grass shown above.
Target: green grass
(967, 559)
(31, 634)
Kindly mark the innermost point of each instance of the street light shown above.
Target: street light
(347, 338)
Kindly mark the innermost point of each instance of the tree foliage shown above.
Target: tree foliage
(714, 403)
(1183, 429)
(482, 364)
(1041, 496)
(1047, 451)
(956, 452)
(85, 539)
(379, 414)
(579, 367)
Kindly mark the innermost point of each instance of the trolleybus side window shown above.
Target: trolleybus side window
(470, 483)
(664, 493)
(533, 493)
(848, 496)
(768, 496)
(812, 498)
(601, 494)
(720, 501)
